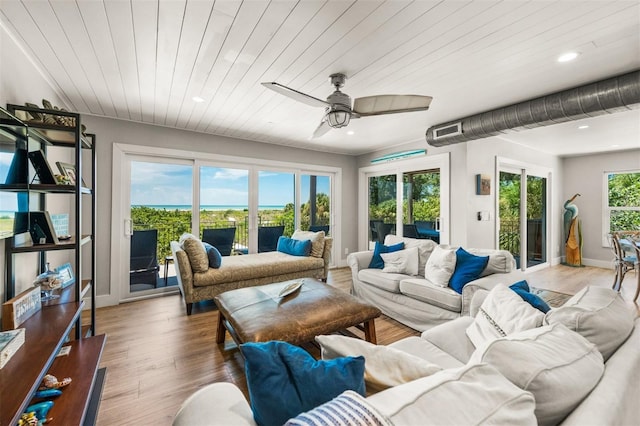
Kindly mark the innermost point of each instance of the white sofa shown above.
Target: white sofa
(415, 300)
(455, 396)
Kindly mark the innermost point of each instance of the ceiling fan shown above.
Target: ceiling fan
(338, 110)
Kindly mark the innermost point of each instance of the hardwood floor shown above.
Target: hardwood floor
(156, 355)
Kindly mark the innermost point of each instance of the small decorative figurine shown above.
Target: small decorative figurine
(48, 281)
(51, 382)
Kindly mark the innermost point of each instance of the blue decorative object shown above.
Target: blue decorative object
(40, 409)
(285, 380)
(376, 260)
(48, 393)
(468, 268)
(294, 247)
(215, 258)
(522, 289)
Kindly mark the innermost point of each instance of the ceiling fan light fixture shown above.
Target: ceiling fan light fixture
(338, 118)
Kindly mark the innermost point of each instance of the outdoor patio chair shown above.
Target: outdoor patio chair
(410, 230)
(268, 237)
(144, 266)
(624, 262)
(221, 238)
(316, 228)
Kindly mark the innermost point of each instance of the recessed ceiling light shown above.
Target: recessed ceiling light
(615, 145)
(197, 99)
(350, 132)
(569, 56)
(584, 126)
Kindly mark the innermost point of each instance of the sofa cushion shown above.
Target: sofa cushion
(383, 280)
(440, 266)
(384, 366)
(598, 314)
(469, 395)
(424, 290)
(425, 248)
(293, 247)
(401, 261)
(316, 238)
(451, 338)
(468, 268)
(557, 365)
(376, 260)
(278, 371)
(257, 265)
(427, 351)
(214, 256)
(197, 254)
(347, 408)
(502, 313)
(500, 261)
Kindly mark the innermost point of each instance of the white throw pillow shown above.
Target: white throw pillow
(502, 313)
(558, 366)
(470, 395)
(317, 241)
(425, 248)
(598, 314)
(440, 266)
(401, 261)
(384, 366)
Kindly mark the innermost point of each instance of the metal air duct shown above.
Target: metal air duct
(616, 94)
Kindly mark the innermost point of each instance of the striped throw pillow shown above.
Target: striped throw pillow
(347, 409)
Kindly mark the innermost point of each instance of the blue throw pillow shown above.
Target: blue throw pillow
(285, 380)
(215, 258)
(522, 289)
(294, 247)
(376, 260)
(468, 268)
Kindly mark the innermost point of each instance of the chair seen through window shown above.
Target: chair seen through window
(144, 266)
(221, 238)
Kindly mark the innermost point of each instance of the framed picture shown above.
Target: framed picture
(66, 275)
(68, 170)
(483, 185)
(42, 168)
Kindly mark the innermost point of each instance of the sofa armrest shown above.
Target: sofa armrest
(486, 283)
(326, 255)
(359, 260)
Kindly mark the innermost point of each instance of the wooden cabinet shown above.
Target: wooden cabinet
(60, 322)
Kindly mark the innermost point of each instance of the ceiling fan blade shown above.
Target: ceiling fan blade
(294, 94)
(390, 104)
(322, 128)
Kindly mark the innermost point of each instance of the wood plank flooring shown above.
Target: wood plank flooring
(156, 355)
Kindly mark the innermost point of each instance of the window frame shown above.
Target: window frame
(606, 209)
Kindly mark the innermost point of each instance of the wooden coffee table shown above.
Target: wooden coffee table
(257, 314)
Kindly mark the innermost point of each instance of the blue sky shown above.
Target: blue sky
(161, 184)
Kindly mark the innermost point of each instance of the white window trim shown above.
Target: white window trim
(398, 167)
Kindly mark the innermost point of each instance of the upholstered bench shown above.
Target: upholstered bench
(258, 314)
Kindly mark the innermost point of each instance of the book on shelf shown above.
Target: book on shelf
(10, 342)
(42, 167)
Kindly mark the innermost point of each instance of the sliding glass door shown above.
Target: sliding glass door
(156, 220)
(522, 215)
(315, 203)
(382, 207)
(405, 197)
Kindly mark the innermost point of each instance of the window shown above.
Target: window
(621, 201)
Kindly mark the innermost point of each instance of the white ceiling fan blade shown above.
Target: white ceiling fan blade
(322, 129)
(390, 104)
(294, 94)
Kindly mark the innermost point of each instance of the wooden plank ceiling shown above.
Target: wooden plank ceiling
(146, 60)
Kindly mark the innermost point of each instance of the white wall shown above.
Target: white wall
(21, 82)
(584, 175)
(109, 131)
